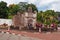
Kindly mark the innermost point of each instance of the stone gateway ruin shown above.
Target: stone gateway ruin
(25, 19)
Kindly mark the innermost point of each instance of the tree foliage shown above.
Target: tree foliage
(24, 6)
(34, 8)
(13, 9)
(3, 10)
(47, 17)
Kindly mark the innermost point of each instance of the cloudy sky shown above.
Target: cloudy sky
(41, 4)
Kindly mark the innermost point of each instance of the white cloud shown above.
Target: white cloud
(32, 1)
(17, 1)
(55, 6)
(52, 4)
(9, 1)
(45, 2)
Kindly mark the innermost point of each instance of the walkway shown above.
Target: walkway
(8, 36)
(37, 35)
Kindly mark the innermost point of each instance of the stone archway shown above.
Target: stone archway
(30, 24)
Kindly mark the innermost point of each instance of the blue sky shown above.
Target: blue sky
(41, 4)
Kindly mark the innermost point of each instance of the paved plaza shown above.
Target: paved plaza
(24, 35)
(8, 36)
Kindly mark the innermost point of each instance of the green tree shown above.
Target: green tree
(47, 17)
(34, 8)
(39, 16)
(3, 10)
(52, 16)
(24, 6)
(13, 8)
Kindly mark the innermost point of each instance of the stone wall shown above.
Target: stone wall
(7, 21)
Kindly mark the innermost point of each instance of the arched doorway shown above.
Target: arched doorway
(30, 23)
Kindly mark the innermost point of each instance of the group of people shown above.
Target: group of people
(46, 27)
